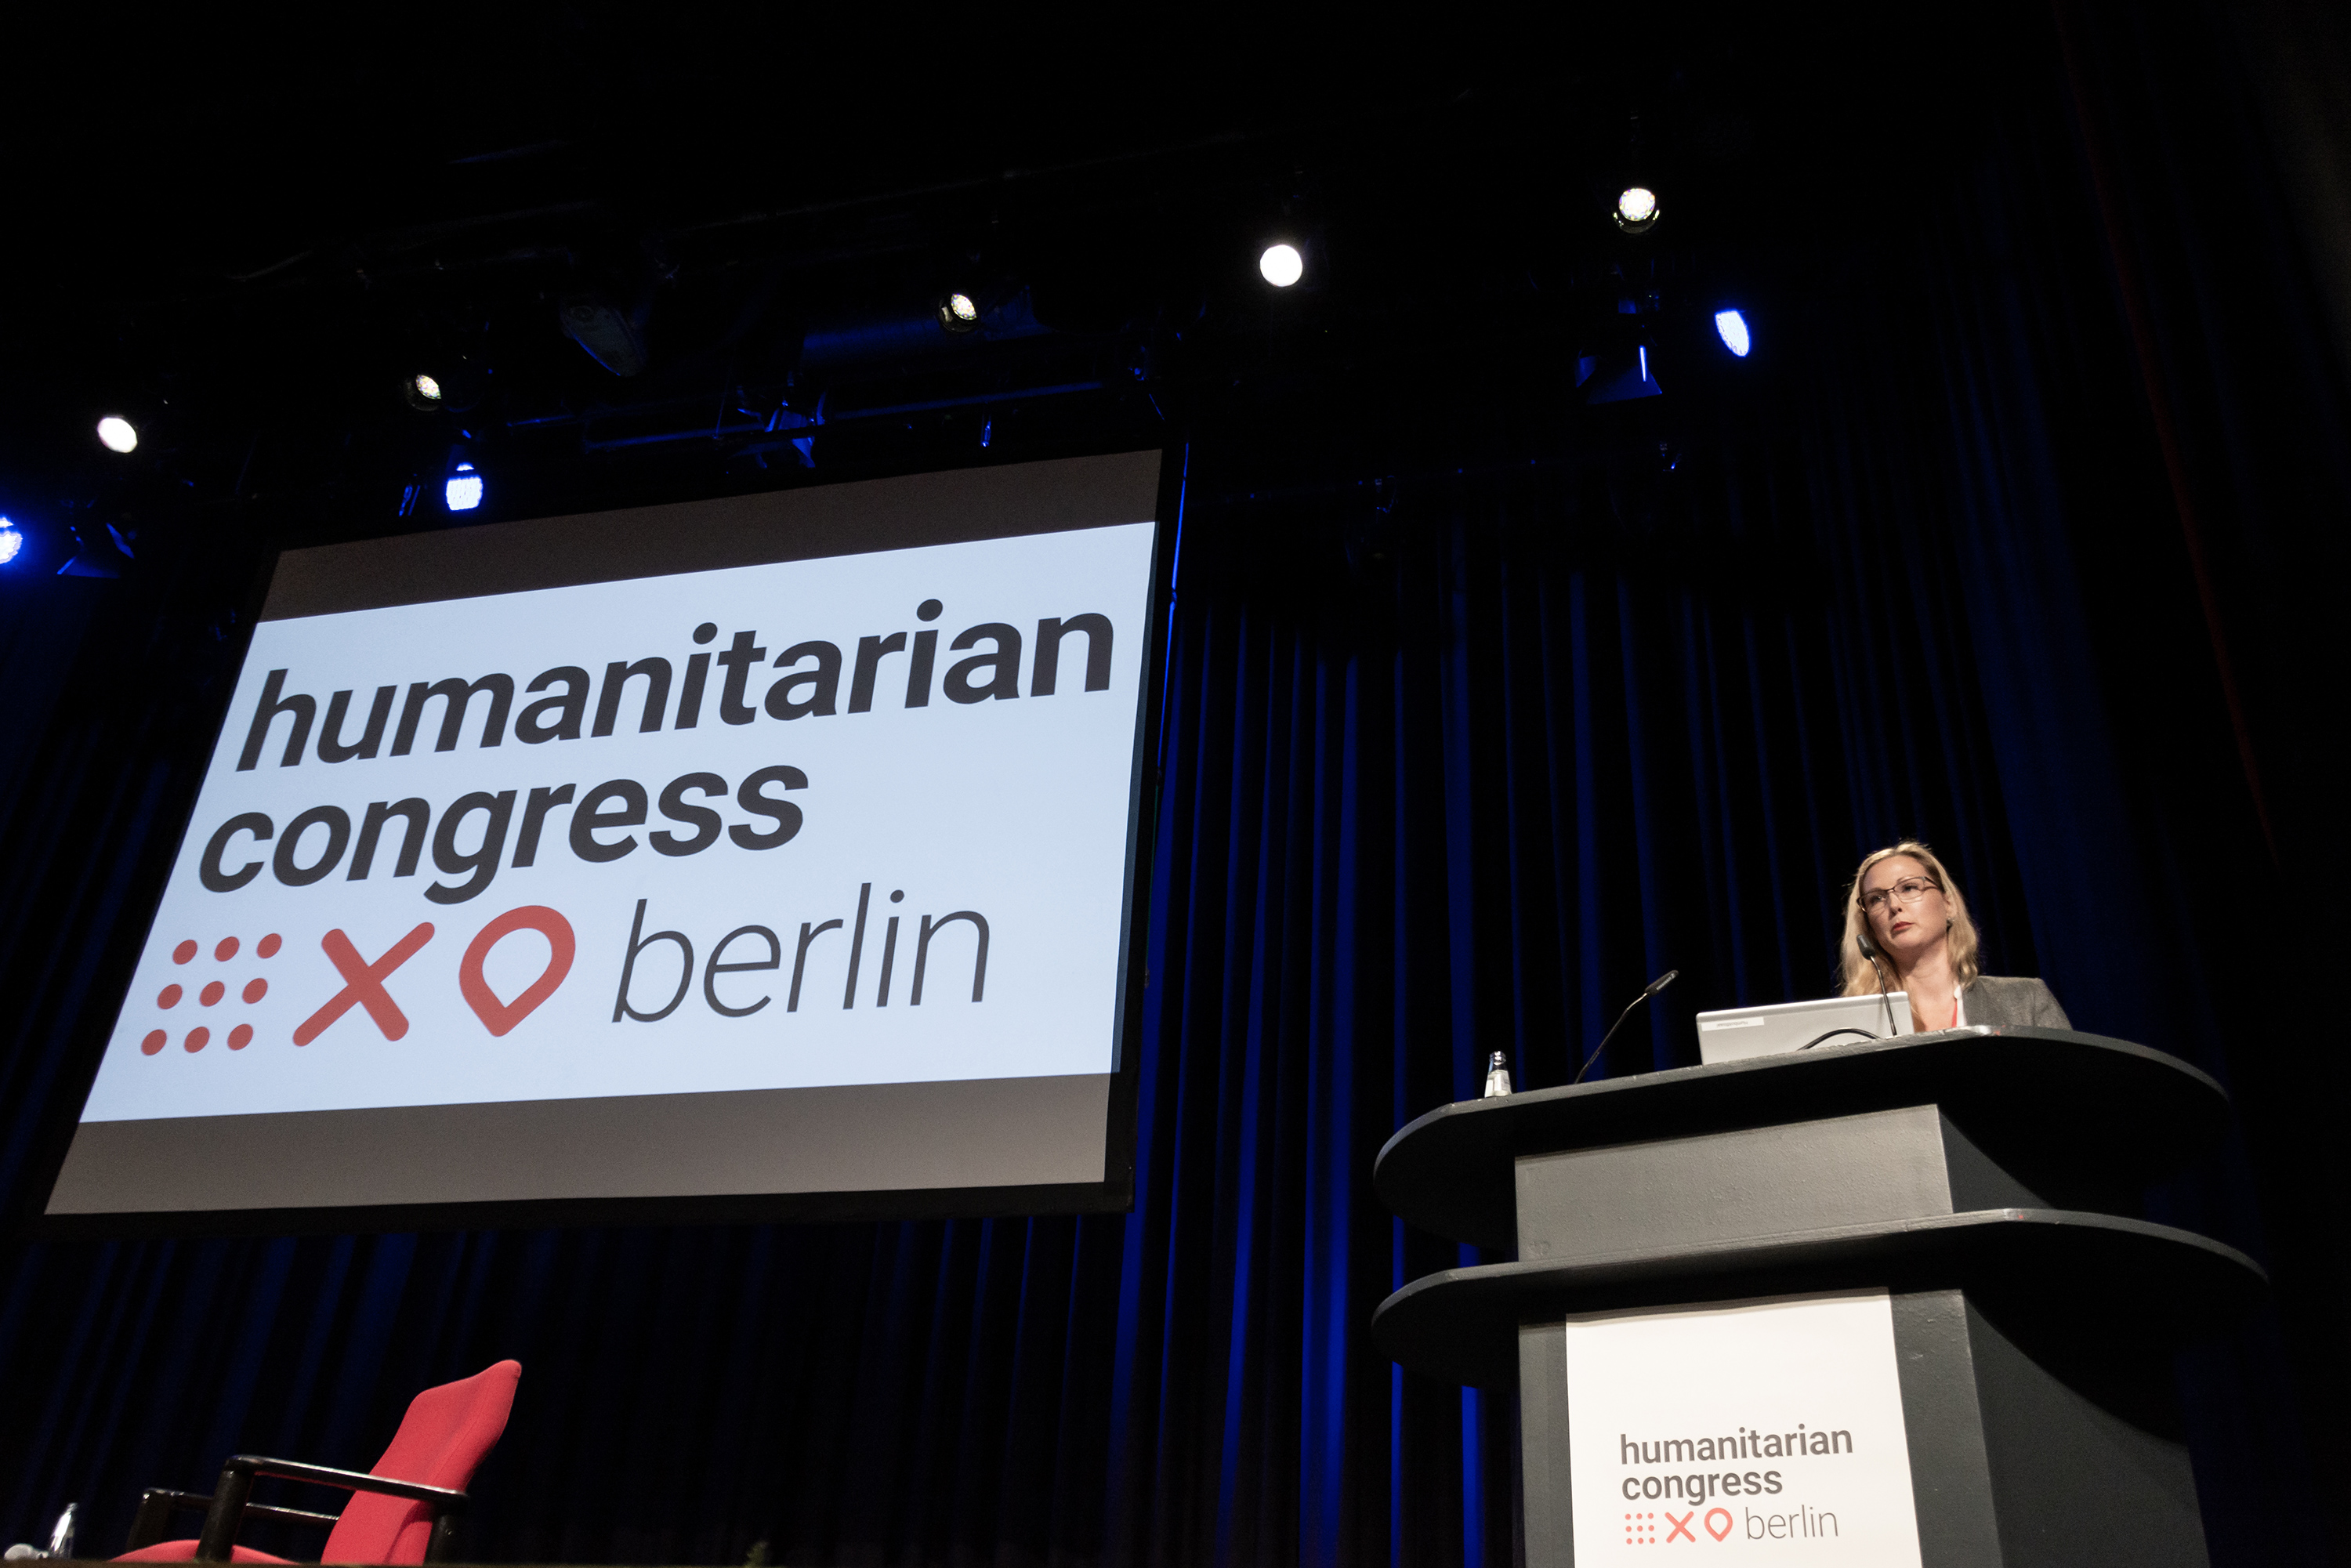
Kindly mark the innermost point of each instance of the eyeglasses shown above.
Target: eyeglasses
(1909, 890)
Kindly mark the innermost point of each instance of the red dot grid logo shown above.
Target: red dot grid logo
(1640, 1529)
(211, 993)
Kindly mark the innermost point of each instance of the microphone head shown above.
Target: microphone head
(1662, 981)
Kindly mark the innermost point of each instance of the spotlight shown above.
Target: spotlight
(12, 542)
(464, 490)
(117, 433)
(1282, 266)
(1732, 327)
(1637, 209)
(959, 313)
(447, 379)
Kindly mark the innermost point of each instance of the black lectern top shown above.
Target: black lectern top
(2069, 1114)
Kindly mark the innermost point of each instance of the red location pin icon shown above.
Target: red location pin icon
(1722, 1513)
(499, 1017)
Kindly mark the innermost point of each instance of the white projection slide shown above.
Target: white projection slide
(806, 875)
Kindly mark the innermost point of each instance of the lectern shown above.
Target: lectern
(1680, 1234)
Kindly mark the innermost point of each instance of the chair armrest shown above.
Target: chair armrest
(230, 1499)
(154, 1515)
(446, 1499)
(157, 1504)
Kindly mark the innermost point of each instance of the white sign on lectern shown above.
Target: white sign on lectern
(1772, 1429)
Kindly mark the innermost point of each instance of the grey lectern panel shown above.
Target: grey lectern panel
(1950, 1474)
(2089, 1465)
(1624, 1199)
(2034, 1460)
(1544, 1479)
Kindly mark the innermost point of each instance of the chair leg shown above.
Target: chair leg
(444, 1537)
(218, 1542)
(153, 1520)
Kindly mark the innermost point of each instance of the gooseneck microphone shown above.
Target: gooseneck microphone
(1659, 984)
(1869, 951)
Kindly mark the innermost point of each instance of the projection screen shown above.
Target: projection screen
(765, 856)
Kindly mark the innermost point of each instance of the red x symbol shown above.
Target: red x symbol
(1681, 1530)
(364, 985)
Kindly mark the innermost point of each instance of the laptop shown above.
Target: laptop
(1735, 1034)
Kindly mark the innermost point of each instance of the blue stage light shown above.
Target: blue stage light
(1732, 326)
(464, 490)
(12, 542)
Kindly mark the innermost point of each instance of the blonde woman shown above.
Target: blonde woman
(1906, 929)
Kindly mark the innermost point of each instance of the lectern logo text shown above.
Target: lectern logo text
(1773, 1428)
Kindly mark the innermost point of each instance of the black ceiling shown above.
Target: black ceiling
(242, 235)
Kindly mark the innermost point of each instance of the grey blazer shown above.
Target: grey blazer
(1999, 999)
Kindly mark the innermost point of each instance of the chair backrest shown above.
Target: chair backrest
(441, 1440)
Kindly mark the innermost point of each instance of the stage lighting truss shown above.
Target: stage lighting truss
(118, 434)
(1637, 210)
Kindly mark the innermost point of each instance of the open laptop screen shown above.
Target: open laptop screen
(1734, 1034)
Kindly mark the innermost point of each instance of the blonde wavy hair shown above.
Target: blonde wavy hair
(1861, 979)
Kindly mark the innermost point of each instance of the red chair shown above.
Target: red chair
(403, 1511)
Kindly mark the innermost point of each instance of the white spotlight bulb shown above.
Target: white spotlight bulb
(1282, 266)
(12, 543)
(464, 490)
(1637, 209)
(959, 312)
(1732, 326)
(117, 433)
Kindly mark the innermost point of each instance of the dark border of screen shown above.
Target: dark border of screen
(836, 519)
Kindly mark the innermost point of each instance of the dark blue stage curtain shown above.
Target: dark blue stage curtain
(1456, 775)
